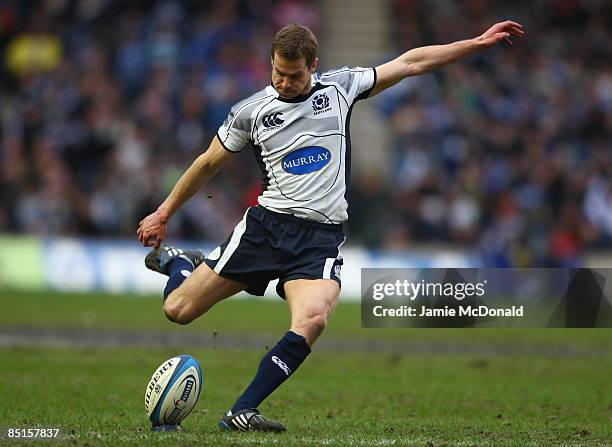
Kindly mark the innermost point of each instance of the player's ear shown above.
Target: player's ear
(314, 65)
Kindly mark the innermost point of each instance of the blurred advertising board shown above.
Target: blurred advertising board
(117, 266)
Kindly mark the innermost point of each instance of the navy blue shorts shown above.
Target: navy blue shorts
(266, 245)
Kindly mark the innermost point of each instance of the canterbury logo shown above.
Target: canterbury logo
(282, 365)
(272, 120)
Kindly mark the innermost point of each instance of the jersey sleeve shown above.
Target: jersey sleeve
(357, 82)
(235, 132)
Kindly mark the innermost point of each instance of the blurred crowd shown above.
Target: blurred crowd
(105, 102)
(509, 150)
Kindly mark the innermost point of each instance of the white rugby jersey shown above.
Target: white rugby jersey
(302, 145)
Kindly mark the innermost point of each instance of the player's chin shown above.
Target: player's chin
(287, 94)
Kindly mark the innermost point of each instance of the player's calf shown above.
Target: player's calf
(177, 264)
(312, 302)
(197, 294)
(310, 326)
(276, 366)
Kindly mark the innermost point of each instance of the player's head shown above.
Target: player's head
(294, 59)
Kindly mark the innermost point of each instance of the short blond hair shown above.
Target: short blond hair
(295, 41)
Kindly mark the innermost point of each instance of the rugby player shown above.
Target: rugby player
(298, 127)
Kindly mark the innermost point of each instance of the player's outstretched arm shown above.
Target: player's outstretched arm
(152, 229)
(424, 59)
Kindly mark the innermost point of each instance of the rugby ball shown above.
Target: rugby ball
(173, 390)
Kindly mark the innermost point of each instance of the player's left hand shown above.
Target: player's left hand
(152, 229)
(501, 31)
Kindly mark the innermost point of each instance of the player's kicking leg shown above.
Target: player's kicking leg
(311, 303)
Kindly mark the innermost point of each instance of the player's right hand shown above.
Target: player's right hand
(501, 31)
(152, 229)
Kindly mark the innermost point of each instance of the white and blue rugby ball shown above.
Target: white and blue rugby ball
(173, 390)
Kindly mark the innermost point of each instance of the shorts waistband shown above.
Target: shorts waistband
(298, 220)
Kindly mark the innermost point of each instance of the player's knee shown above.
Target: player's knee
(177, 313)
(316, 323)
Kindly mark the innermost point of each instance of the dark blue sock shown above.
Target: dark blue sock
(179, 270)
(276, 366)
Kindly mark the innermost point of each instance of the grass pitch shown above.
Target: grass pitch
(359, 386)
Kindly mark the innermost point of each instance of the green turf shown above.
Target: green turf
(96, 396)
(95, 311)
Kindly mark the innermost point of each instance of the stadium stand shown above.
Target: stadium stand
(105, 102)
